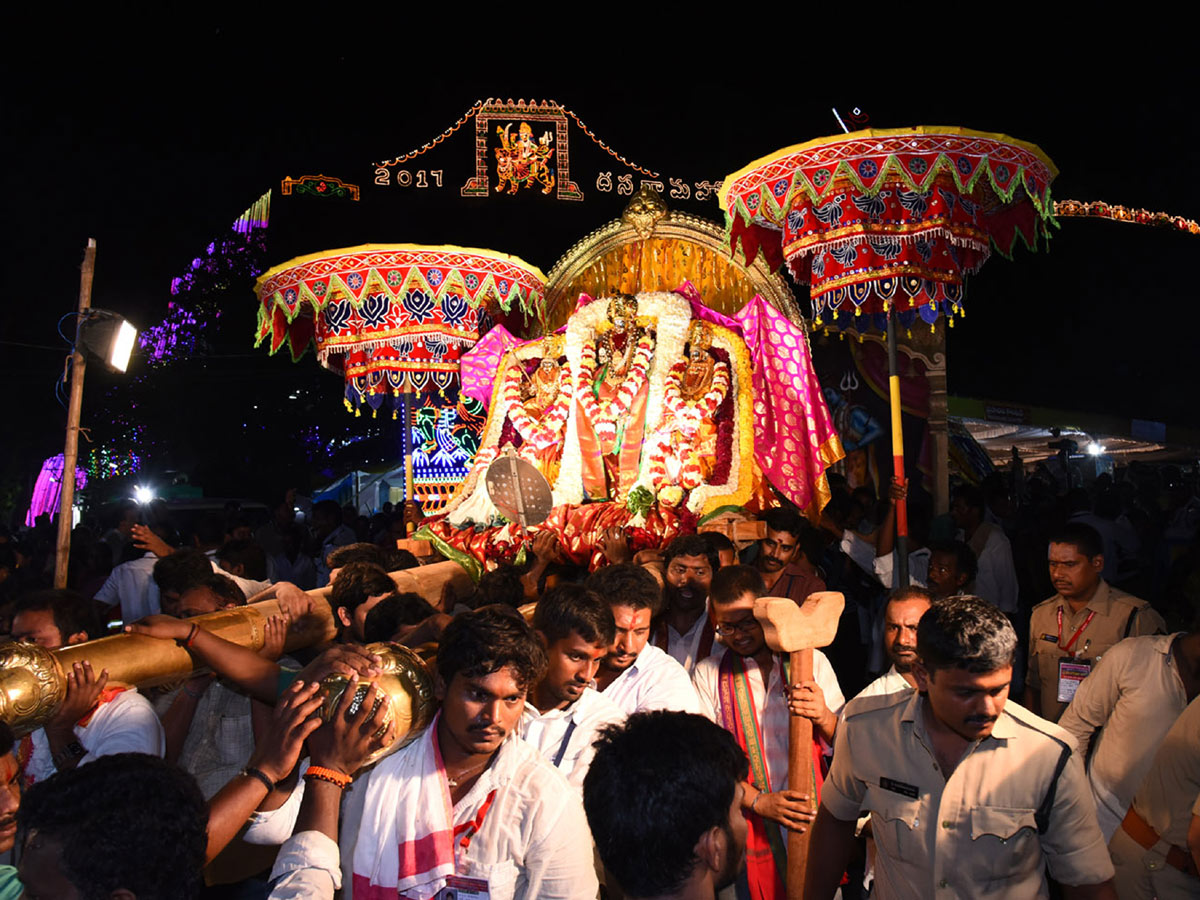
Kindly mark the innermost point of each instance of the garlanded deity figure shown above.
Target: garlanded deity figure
(612, 391)
(538, 402)
(682, 450)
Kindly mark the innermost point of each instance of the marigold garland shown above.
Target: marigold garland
(678, 444)
(538, 434)
(604, 414)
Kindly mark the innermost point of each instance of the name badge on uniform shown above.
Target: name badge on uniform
(1050, 638)
(899, 787)
(460, 888)
(1071, 673)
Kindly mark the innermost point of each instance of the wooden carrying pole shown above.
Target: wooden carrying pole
(797, 630)
(71, 450)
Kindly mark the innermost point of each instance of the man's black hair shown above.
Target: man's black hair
(501, 585)
(965, 632)
(718, 542)
(626, 584)
(785, 519)
(657, 783)
(127, 821)
(912, 592)
(72, 613)
(356, 582)
(224, 588)
(249, 555)
(810, 543)
(691, 545)
(488, 639)
(396, 560)
(182, 570)
(731, 582)
(972, 496)
(1083, 537)
(568, 608)
(393, 612)
(964, 557)
(360, 551)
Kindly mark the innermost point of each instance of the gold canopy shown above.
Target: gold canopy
(651, 248)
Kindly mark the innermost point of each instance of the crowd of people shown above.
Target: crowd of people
(625, 732)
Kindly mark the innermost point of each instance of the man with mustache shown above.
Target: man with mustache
(787, 556)
(900, 618)
(685, 630)
(467, 806)
(563, 713)
(10, 800)
(636, 675)
(969, 796)
(1070, 632)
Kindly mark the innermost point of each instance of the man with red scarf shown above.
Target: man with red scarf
(747, 689)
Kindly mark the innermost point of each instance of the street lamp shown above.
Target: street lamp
(110, 337)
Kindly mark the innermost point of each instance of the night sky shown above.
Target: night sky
(155, 152)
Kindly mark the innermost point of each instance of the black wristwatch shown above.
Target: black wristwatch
(72, 752)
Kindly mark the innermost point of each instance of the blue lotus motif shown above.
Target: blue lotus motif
(916, 202)
(419, 305)
(795, 219)
(454, 309)
(886, 246)
(436, 345)
(846, 254)
(337, 315)
(375, 309)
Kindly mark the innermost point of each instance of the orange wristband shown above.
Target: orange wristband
(333, 777)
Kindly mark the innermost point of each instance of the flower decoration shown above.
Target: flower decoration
(418, 305)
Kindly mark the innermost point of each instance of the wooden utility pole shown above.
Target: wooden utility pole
(71, 451)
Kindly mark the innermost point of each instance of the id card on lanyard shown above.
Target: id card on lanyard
(460, 888)
(1071, 669)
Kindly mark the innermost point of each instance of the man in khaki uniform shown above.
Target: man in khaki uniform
(1125, 708)
(968, 797)
(1149, 850)
(1075, 627)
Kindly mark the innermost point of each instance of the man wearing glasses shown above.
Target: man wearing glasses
(747, 689)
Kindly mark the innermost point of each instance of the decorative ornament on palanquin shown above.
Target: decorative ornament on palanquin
(391, 316)
(877, 219)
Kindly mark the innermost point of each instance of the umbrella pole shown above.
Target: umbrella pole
(897, 452)
(406, 413)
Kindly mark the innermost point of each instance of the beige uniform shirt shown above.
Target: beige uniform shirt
(1110, 624)
(976, 834)
(1168, 798)
(1132, 699)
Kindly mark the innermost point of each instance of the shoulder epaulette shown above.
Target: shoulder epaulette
(860, 705)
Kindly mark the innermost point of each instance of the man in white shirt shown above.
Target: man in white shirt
(563, 713)
(996, 579)
(745, 674)
(468, 805)
(900, 618)
(635, 674)
(94, 720)
(685, 630)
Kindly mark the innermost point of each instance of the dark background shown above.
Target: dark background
(153, 143)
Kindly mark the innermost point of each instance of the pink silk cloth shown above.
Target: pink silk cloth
(794, 437)
(480, 365)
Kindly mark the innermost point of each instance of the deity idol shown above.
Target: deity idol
(612, 389)
(682, 451)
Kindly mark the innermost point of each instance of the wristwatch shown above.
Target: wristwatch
(72, 752)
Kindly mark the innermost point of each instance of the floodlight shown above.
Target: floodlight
(1095, 449)
(143, 494)
(109, 336)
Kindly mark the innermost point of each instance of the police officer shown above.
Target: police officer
(968, 796)
(1071, 630)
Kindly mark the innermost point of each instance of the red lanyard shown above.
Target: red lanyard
(469, 829)
(1078, 631)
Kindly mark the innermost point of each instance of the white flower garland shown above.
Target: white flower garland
(724, 338)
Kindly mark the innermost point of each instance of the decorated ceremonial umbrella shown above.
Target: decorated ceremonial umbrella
(885, 225)
(392, 318)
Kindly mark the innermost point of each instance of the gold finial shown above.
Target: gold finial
(644, 211)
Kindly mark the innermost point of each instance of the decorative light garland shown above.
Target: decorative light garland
(1098, 209)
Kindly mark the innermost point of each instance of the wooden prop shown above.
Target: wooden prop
(33, 679)
(798, 630)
